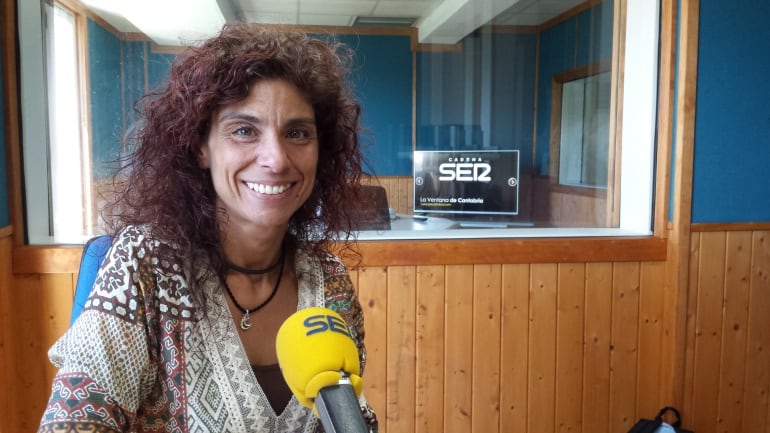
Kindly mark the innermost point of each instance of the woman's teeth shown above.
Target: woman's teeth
(267, 189)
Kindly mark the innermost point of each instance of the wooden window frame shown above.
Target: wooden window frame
(557, 84)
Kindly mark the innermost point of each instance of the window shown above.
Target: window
(471, 117)
(544, 106)
(56, 158)
(70, 178)
(580, 130)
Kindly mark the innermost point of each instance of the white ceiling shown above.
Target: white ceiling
(437, 21)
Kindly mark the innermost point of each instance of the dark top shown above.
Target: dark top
(273, 385)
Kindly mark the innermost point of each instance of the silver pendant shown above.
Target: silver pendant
(245, 324)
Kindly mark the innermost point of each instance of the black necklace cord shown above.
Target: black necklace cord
(245, 324)
(247, 271)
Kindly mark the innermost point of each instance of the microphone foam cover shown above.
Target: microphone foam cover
(314, 347)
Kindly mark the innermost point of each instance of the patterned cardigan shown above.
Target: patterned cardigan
(140, 359)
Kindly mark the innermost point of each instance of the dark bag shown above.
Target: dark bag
(657, 425)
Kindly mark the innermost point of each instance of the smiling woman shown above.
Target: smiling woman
(217, 240)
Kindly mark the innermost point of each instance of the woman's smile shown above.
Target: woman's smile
(268, 189)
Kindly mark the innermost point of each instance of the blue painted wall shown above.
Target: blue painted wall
(5, 215)
(104, 66)
(732, 117)
(133, 78)
(118, 78)
(382, 80)
(139, 80)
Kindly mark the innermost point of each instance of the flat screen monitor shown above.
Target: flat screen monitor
(480, 182)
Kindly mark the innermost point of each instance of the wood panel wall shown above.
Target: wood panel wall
(6, 357)
(400, 191)
(467, 348)
(513, 347)
(36, 310)
(727, 380)
(531, 347)
(578, 209)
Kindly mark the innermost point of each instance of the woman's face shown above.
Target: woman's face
(262, 153)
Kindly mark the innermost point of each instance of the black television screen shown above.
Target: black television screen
(466, 182)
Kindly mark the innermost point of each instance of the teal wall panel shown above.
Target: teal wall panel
(732, 114)
(5, 214)
(382, 81)
(105, 81)
(121, 72)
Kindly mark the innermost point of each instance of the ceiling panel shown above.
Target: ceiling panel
(551, 7)
(335, 7)
(270, 18)
(534, 12)
(268, 6)
(523, 19)
(344, 13)
(326, 20)
(401, 8)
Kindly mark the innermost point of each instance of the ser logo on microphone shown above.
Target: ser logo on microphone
(322, 323)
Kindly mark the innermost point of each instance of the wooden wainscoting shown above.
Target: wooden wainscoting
(452, 348)
(727, 379)
(38, 308)
(578, 207)
(400, 191)
(513, 348)
(6, 359)
(493, 348)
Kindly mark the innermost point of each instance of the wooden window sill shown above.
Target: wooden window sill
(66, 259)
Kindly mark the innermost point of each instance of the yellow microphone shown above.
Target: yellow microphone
(319, 361)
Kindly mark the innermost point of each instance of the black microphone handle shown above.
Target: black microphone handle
(339, 410)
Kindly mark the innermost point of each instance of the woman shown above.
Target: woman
(239, 186)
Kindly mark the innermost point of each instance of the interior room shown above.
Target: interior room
(570, 229)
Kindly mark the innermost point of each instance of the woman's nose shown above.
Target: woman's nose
(272, 153)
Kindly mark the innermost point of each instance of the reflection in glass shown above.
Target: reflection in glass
(493, 93)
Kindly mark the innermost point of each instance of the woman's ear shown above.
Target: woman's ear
(204, 161)
(204, 151)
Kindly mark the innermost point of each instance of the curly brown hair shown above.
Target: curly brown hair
(162, 185)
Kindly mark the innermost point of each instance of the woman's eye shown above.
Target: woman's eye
(299, 133)
(243, 131)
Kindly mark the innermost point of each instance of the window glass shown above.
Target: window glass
(69, 155)
(515, 128)
(584, 131)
